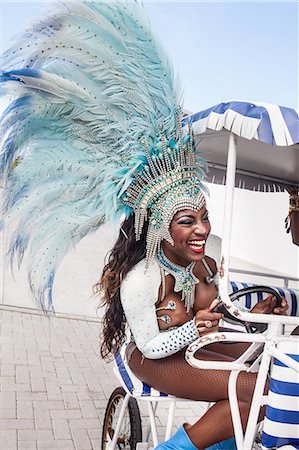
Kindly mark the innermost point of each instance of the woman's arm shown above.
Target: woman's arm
(139, 293)
(294, 215)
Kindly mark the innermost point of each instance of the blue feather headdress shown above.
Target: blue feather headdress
(85, 84)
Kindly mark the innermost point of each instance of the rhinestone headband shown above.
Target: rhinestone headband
(167, 183)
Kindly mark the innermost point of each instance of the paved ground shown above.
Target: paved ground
(54, 385)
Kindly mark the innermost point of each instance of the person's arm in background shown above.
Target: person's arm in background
(295, 227)
(293, 216)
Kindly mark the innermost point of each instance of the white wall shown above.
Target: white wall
(258, 233)
(77, 274)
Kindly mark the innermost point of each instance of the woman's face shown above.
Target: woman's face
(189, 231)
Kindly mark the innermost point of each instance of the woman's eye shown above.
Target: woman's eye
(185, 222)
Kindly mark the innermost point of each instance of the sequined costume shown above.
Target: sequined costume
(158, 357)
(139, 294)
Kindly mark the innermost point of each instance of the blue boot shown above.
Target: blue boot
(228, 444)
(179, 441)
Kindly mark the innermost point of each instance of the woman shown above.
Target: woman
(162, 325)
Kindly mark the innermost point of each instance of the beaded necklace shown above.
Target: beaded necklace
(185, 280)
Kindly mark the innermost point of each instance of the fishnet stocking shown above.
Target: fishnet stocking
(173, 375)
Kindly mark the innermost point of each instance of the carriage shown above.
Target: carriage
(255, 147)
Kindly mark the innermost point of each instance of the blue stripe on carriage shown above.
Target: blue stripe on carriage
(123, 372)
(259, 296)
(280, 291)
(234, 286)
(294, 302)
(146, 389)
(284, 388)
(279, 363)
(275, 442)
(282, 416)
(291, 119)
(247, 296)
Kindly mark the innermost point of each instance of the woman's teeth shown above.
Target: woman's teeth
(197, 245)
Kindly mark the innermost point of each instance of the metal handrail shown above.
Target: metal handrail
(285, 279)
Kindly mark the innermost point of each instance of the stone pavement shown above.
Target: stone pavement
(54, 384)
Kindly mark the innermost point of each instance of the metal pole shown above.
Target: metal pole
(273, 330)
(234, 407)
(227, 219)
(229, 198)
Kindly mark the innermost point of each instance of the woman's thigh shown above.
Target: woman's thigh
(173, 375)
(231, 349)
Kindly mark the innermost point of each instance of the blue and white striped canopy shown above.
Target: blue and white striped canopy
(267, 144)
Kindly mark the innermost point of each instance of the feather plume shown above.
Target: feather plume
(84, 83)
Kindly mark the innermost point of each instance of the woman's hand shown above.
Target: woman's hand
(268, 306)
(206, 320)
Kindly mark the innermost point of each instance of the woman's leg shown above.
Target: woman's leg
(217, 422)
(173, 375)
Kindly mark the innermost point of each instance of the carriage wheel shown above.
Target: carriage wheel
(131, 430)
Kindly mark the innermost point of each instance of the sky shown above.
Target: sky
(221, 50)
(224, 51)
(232, 51)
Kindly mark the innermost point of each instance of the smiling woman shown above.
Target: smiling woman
(167, 304)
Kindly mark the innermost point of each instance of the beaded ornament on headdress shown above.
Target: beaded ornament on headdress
(167, 184)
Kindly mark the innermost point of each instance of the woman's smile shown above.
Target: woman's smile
(197, 245)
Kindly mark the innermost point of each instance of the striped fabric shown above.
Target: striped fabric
(281, 425)
(249, 300)
(135, 387)
(271, 124)
(129, 381)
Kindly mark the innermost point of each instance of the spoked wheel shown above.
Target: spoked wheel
(130, 431)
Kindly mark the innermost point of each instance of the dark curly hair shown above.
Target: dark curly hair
(126, 253)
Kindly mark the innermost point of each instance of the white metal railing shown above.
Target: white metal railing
(284, 278)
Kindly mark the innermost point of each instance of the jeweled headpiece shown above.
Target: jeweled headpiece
(167, 183)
